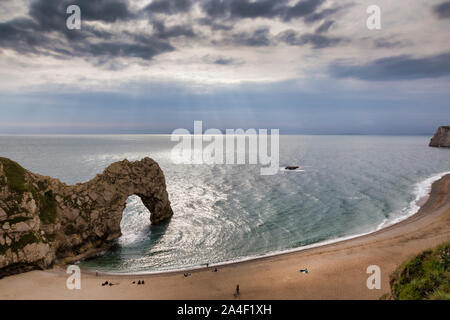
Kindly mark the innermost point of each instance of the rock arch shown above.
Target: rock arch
(43, 220)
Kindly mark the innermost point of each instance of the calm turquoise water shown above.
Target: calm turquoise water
(350, 185)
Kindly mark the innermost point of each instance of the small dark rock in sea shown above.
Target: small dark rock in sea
(292, 168)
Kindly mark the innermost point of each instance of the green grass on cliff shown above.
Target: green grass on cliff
(425, 277)
(48, 207)
(17, 183)
(15, 175)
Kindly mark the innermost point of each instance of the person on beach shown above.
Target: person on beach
(237, 290)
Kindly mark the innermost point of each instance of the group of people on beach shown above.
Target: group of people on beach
(187, 274)
(109, 283)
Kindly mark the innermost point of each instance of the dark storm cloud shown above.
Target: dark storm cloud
(163, 32)
(168, 6)
(324, 27)
(19, 35)
(302, 9)
(220, 60)
(45, 32)
(257, 38)
(223, 61)
(216, 8)
(396, 68)
(51, 14)
(144, 51)
(317, 41)
(262, 37)
(326, 13)
(214, 25)
(257, 9)
(317, 16)
(282, 9)
(103, 10)
(442, 10)
(383, 43)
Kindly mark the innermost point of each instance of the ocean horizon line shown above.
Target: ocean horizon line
(169, 134)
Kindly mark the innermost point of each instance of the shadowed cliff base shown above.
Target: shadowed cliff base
(43, 220)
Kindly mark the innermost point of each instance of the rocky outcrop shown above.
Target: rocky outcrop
(43, 220)
(441, 138)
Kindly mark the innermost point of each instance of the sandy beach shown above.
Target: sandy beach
(336, 271)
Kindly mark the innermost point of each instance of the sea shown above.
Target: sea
(345, 186)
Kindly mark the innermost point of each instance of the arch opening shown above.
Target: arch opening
(135, 224)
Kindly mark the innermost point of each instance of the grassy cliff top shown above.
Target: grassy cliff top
(16, 180)
(425, 277)
(15, 175)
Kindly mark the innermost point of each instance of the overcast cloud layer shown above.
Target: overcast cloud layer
(307, 66)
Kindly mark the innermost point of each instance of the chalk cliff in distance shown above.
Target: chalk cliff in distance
(43, 220)
(441, 138)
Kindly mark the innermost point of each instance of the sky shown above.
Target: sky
(152, 66)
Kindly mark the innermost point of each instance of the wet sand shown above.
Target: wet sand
(336, 271)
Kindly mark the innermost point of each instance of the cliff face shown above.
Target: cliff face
(441, 138)
(43, 220)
